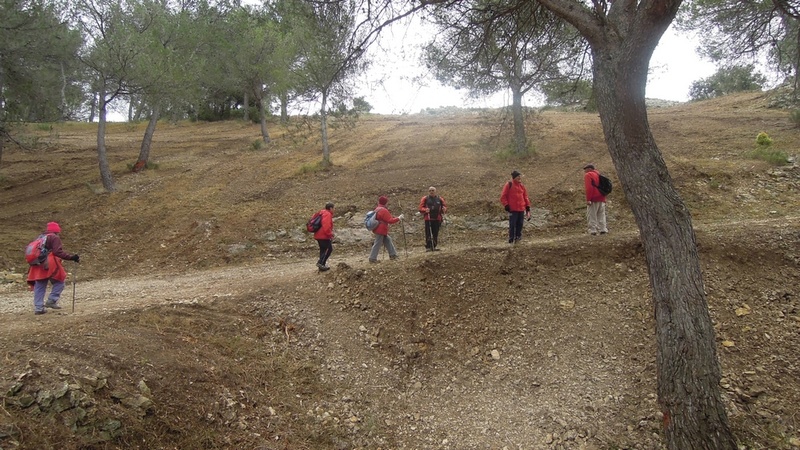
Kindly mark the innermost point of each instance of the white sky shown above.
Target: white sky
(406, 87)
(397, 84)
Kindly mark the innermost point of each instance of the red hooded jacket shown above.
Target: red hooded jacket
(515, 196)
(591, 180)
(52, 269)
(325, 232)
(384, 218)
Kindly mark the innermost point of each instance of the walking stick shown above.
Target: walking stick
(428, 232)
(444, 228)
(74, 282)
(403, 226)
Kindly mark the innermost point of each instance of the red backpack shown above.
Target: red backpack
(36, 252)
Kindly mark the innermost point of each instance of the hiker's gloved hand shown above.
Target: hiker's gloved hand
(508, 208)
(76, 258)
(527, 209)
(401, 217)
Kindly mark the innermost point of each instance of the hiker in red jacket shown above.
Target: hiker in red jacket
(517, 204)
(51, 271)
(432, 207)
(324, 237)
(382, 237)
(595, 201)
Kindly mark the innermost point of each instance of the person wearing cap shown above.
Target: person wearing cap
(595, 201)
(324, 237)
(517, 204)
(52, 271)
(382, 238)
(432, 207)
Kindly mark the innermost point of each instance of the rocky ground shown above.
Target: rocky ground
(204, 324)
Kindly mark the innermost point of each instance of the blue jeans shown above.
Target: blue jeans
(40, 288)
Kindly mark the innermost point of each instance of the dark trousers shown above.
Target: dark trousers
(432, 233)
(515, 221)
(325, 250)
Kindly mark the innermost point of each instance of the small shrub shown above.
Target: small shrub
(763, 140)
(258, 144)
(318, 166)
(509, 152)
(149, 165)
(44, 127)
(794, 117)
(774, 157)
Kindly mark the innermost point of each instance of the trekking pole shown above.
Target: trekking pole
(403, 226)
(428, 232)
(444, 228)
(74, 282)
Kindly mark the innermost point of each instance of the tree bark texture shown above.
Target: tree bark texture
(262, 113)
(688, 372)
(520, 139)
(326, 152)
(147, 140)
(102, 158)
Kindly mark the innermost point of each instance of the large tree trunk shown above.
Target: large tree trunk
(3, 131)
(147, 140)
(520, 140)
(246, 112)
(102, 159)
(688, 371)
(284, 107)
(323, 113)
(262, 112)
(93, 107)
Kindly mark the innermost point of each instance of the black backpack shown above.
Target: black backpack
(604, 186)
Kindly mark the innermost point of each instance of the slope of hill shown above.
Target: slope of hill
(200, 321)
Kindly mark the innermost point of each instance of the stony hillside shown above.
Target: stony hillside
(200, 321)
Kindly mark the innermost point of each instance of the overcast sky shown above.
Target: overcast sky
(397, 84)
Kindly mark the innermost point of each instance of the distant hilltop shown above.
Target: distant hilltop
(658, 103)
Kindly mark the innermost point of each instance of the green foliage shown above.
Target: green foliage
(727, 80)
(567, 92)
(39, 71)
(257, 144)
(794, 117)
(734, 31)
(509, 152)
(319, 166)
(763, 140)
(770, 155)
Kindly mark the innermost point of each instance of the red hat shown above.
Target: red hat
(53, 227)
(382, 200)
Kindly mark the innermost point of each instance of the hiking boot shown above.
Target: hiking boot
(393, 257)
(320, 266)
(374, 261)
(604, 232)
(436, 249)
(324, 268)
(38, 313)
(51, 305)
